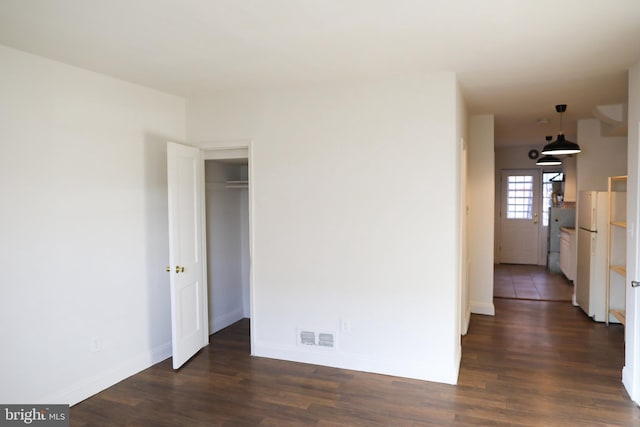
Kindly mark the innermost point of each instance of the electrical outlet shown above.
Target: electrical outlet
(345, 326)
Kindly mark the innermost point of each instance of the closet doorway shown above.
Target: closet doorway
(227, 241)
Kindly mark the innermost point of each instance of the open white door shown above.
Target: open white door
(631, 370)
(189, 326)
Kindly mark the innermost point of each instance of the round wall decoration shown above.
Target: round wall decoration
(533, 154)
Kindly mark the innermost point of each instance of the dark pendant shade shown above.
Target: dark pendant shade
(561, 146)
(548, 161)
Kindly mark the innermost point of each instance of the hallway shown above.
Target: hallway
(530, 282)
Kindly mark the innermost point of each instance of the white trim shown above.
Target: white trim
(81, 390)
(252, 251)
(226, 149)
(628, 382)
(226, 153)
(405, 367)
(488, 309)
(467, 321)
(203, 250)
(222, 321)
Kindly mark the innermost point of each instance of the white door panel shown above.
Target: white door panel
(520, 217)
(186, 251)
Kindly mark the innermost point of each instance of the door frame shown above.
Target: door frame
(237, 149)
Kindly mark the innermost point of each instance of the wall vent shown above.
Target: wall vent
(317, 340)
(307, 338)
(325, 340)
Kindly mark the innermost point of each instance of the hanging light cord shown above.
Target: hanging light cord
(561, 130)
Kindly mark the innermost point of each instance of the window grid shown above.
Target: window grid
(520, 197)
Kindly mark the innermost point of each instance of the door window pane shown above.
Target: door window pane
(548, 181)
(520, 197)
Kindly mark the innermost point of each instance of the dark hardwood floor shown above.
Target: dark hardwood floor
(535, 363)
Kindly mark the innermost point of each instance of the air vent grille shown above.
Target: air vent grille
(307, 338)
(311, 338)
(325, 340)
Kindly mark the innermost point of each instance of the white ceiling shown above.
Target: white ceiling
(515, 58)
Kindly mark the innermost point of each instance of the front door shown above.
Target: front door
(520, 216)
(189, 324)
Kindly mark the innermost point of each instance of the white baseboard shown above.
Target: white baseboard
(628, 382)
(222, 321)
(487, 309)
(405, 367)
(467, 320)
(86, 388)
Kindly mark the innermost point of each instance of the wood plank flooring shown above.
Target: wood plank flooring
(535, 363)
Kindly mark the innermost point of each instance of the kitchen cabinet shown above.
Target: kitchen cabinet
(567, 251)
(558, 219)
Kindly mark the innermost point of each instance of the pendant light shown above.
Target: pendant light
(548, 160)
(561, 145)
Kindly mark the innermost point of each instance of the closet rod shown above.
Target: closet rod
(230, 183)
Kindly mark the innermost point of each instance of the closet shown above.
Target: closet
(227, 223)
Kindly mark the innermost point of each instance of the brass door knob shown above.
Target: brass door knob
(167, 269)
(179, 269)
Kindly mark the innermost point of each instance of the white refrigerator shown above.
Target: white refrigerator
(592, 253)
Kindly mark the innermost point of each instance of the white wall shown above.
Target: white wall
(84, 228)
(631, 371)
(600, 158)
(226, 246)
(354, 225)
(517, 157)
(481, 213)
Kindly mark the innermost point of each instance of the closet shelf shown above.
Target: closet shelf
(237, 183)
(620, 269)
(616, 245)
(227, 184)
